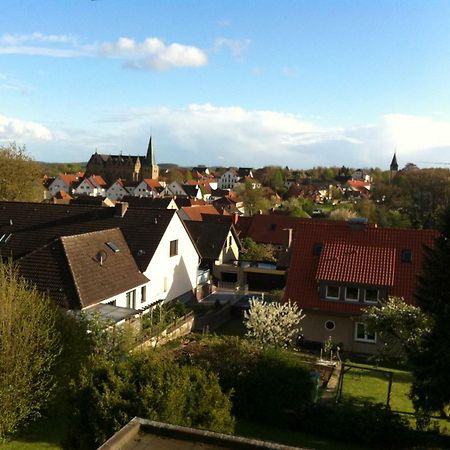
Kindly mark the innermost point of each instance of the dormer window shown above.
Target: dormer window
(352, 294)
(371, 295)
(332, 292)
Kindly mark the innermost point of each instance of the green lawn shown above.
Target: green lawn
(365, 385)
(44, 435)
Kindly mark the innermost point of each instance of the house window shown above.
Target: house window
(131, 299)
(143, 294)
(352, 294)
(230, 241)
(332, 292)
(330, 325)
(174, 247)
(371, 295)
(362, 335)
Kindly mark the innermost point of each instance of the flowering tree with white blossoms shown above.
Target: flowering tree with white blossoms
(273, 324)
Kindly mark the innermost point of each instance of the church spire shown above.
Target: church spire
(394, 164)
(150, 153)
(151, 161)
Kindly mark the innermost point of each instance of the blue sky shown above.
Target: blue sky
(298, 83)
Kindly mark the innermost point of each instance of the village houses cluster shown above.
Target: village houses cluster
(120, 239)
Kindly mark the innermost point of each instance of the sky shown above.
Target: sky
(228, 83)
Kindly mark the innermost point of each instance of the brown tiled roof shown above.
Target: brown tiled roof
(69, 268)
(307, 266)
(33, 225)
(267, 228)
(360, 264)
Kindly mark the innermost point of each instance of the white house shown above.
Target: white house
(233, 176)
(117, 190)
(94, 186)
(147, 188)
(128, 257)
(64, 182)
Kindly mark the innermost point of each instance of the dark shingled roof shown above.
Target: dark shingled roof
(82, 270)
(149, 202)
(33, 225)
(210, 237)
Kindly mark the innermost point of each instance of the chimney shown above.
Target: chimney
(234, 218)
(288, 237)
(120, 209)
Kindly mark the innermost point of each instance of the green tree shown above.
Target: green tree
(30, 348)
(253, 199)
(257, 252)
(20, 176)
(273, 324)
(400, 327)
(431, 361)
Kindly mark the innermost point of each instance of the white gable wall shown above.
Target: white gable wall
(173, 276)
(58, 185)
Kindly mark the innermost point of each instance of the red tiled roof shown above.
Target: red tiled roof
(69, 178)
(358, 184)
(152, 183)
(97, 180)
(359, 264)
(302, 286)
(195, 212)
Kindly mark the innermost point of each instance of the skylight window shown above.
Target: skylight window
(113, 246)
(4, 238)
(406, 255)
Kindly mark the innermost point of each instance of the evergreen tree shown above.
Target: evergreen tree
(431, 360)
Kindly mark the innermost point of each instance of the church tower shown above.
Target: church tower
(151, 161)
(393, 169)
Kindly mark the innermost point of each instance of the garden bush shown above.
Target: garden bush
(266, 385)
(110, 393)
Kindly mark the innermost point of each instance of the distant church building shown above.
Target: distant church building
(131, 168)
(393, 169)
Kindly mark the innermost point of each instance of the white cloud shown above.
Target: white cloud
(154, 54)
(235, 46)
(41, 51)
(12, 129)
(16, 39)
(232, 135)
(150, 54)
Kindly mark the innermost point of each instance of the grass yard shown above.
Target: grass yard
(366, 385)
(44, 435)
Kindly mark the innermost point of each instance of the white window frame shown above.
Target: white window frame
(371, 301)
(328, 296)
(365, 339)
(354, 300)
(131, 299)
